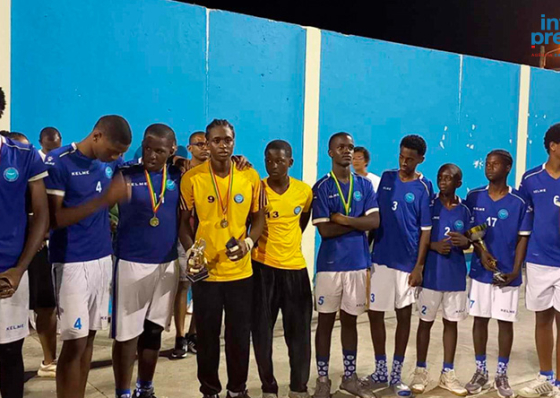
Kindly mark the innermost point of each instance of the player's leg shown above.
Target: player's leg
(266, 305)
(46, 330)
(297, 309)
(124, 354)
(238, 315)
(191, 336)
(505, 342)
(85, 361)
(69, 368)
(149, 345)
(180, 313)
(11, 369)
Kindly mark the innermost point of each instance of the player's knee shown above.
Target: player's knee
(425, 325)
(150, 338)
(545, 318)
(449, 324)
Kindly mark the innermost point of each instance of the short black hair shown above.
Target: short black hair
(219, 123)
(4, 133)
(14, 135)
(363, 151)
(279, 145)
(116, 128)
(456, 169)
(196, 133)
(503, 154)
(49, 132)
(161, 130)
(414, 142)
(552, 135)
(336, 135)
(2, 102)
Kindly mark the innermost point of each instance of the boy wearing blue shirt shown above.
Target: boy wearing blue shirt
(541, 188)
(444, 283)
(21, 170)
(400, 249)
(496, 273)
(344, 208)
(80, 190)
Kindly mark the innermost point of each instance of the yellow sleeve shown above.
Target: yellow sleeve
(258, 199)
(309, 192)
(187, 192)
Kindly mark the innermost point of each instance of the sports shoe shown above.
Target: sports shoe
(401, 390)
(322, 388)
(294, 394)
(47, 370)
(449, 381)
(420, 380)
(354, 386)
(144, 393)
(181, 347)
(501, 383)
(373, 385)
(244, 394)
(191, 343)
(540, 387)
(478, 383)
(269, 395)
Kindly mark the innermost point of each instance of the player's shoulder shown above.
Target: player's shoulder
(391, 173)
(58, 156)
(17, 146)
(425, 184)
(532, 174)
(250, 173)
(473, 193)
(464, 207)
(322, 183)
(516, 195)
(174, 171)
(200, 170)
(131, 168)
(300, 185)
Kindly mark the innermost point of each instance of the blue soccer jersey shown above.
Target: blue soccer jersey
(348, 252)
(137, 240)
(447, 273)
(506, 219)
(542, 193)
(405, 212)
(20, 164)
(79, 179)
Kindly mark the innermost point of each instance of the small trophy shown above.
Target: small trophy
(476, 234)
(196, 262)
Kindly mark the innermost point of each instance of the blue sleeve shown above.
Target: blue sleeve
(524, 191)
(370, 204)
(425, 212)
(37, 169)
(321, 211)
(56, 181)
(526, 225)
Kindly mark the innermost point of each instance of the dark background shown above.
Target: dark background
(494, 29)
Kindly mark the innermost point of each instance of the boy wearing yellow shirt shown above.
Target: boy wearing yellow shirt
(280, 276)
(224, 198)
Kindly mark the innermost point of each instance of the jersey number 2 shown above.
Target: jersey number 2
(98, 186)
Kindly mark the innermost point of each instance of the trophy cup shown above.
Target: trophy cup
(476, 234)
(196, 262)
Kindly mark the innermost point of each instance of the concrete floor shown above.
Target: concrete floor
(178, 378)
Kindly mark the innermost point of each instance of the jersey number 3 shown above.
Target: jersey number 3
(395, 205)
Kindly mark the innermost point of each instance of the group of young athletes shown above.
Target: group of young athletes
(252, 232)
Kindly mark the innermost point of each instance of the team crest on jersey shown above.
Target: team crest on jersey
(238, 198)
(556, 200)
(459, 225)
(297, 210)
(357, 196)
(11, 174)
(211, 199)
(108, 172)
(409, 197)
(503, 214)
(170, 185)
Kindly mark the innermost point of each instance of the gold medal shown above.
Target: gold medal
(223, 203)
(224, 223)
(154, 221)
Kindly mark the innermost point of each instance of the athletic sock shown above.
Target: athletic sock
(502, 366)
(349, 362)
(549, 374)
(421, 364)
(322, 366)
(481, 363)
(381, 374)
(447, 367)
(144, 385)
(123, 393)
(556, 383)
(396, 370)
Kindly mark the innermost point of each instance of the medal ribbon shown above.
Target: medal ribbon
(217, 189)
(156, 203)
(345, 203)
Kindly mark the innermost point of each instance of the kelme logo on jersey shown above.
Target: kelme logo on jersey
(108, 172)
(11, 174)
(238, 198)
(171, 186)
(297, 210)
(459, 225)
(357, 196)
(409, 197)
(503, 214)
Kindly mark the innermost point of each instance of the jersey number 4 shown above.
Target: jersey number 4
(78, 324)
(98, 186)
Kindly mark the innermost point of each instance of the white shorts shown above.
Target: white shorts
(389, 289)
(82, 296)
(14, 314)
(491, 301)
(344, 290)
(142, 292)
(543, 287)
(453, 304)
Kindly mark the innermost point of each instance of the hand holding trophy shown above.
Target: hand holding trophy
(476, 235)
(196, 262)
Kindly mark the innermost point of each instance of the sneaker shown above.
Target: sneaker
(181, 347)
(540, 387)
(191, 343)
(294, 394)
(420, 380)
(449, 381)
(501, 383)
(144, 393)
(354, 386)
(322, 388)
(401, 390)
(373, 385)
(269, 395)
(478, 383)
(244, 394)
(47, 370)
(211, 396)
